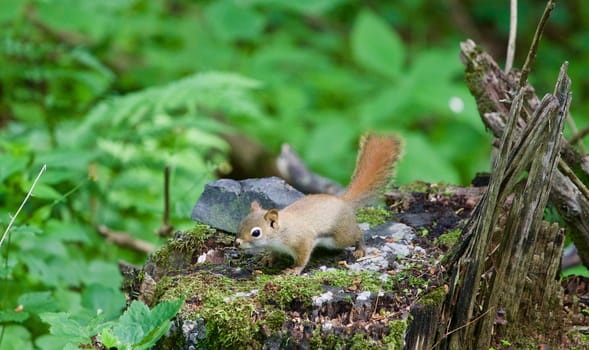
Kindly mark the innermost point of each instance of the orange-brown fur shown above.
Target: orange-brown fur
(322, 219)
(374, 167)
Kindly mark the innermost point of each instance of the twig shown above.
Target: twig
(13, 218)
(166, 229)
(535, 42)
(125, 240)
(375, 306)
(296, 173)
(568, 172)
(459, 328)
(512, 36)
(69, 38)
(166, 195)
(579, 135)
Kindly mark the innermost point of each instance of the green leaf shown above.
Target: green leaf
(110, 341)
(306, 7)
(375, 46)
(578, 270)
(67, 231)
(61, 324)
(37, 302)
(42, 191)
(71, 159)
(422, 161)
(231, 22)
(109, 301)
(323, 153)
(11, 165)
(53, 270)
(103, 273)
(10, 9)
(140, 327)
(13, 316)
(16, 338)
(52, 342)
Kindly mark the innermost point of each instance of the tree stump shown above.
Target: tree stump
(504, 274)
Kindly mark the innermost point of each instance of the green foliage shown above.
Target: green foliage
(578, 270)
(137, 328)
(375, 46)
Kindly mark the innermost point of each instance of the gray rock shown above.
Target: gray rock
(396, 249)
(224, 203)
(376, 263)
(395, 230)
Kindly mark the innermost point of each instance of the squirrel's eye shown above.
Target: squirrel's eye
(256, 232)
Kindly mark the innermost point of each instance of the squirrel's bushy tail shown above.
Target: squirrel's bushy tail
(374, 167)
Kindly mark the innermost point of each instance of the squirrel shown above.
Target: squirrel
(323, 219)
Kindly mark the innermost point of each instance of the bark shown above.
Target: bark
(503, 275)
(493, 91)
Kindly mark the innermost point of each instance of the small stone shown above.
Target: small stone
(396, 249)
(377, 263)
(323, 298)
(364, 296)
(394, 231)
(201, 258)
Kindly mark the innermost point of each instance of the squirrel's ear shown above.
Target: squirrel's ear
(272, 217)
(255, 206)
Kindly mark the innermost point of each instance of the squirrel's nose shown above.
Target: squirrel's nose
(238, 242)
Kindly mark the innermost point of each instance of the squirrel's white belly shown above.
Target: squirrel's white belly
(326, 242)
(279, 247)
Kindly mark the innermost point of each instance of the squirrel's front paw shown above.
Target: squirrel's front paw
(268, 260)
(293, 271)
(359, 253)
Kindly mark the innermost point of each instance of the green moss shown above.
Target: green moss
(363, 280)
(579, 338)
(417, 186)
(404, 279)
(424, 187)
(361, 342)
(274, 318)
(284, 289)
(182, 246)
(234, 320)
(191, 240)
(435, 297)
(242, 315)
(373, 215)
(326, 341)
(394, 341)
(232, 326)
(448, 239)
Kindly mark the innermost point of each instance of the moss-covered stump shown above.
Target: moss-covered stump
(232, 300)
(228, 306)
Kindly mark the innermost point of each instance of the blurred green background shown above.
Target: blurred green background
(106, 93)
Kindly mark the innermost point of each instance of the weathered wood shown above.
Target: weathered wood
(493, 91)
(419, 333)
(503, 275)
